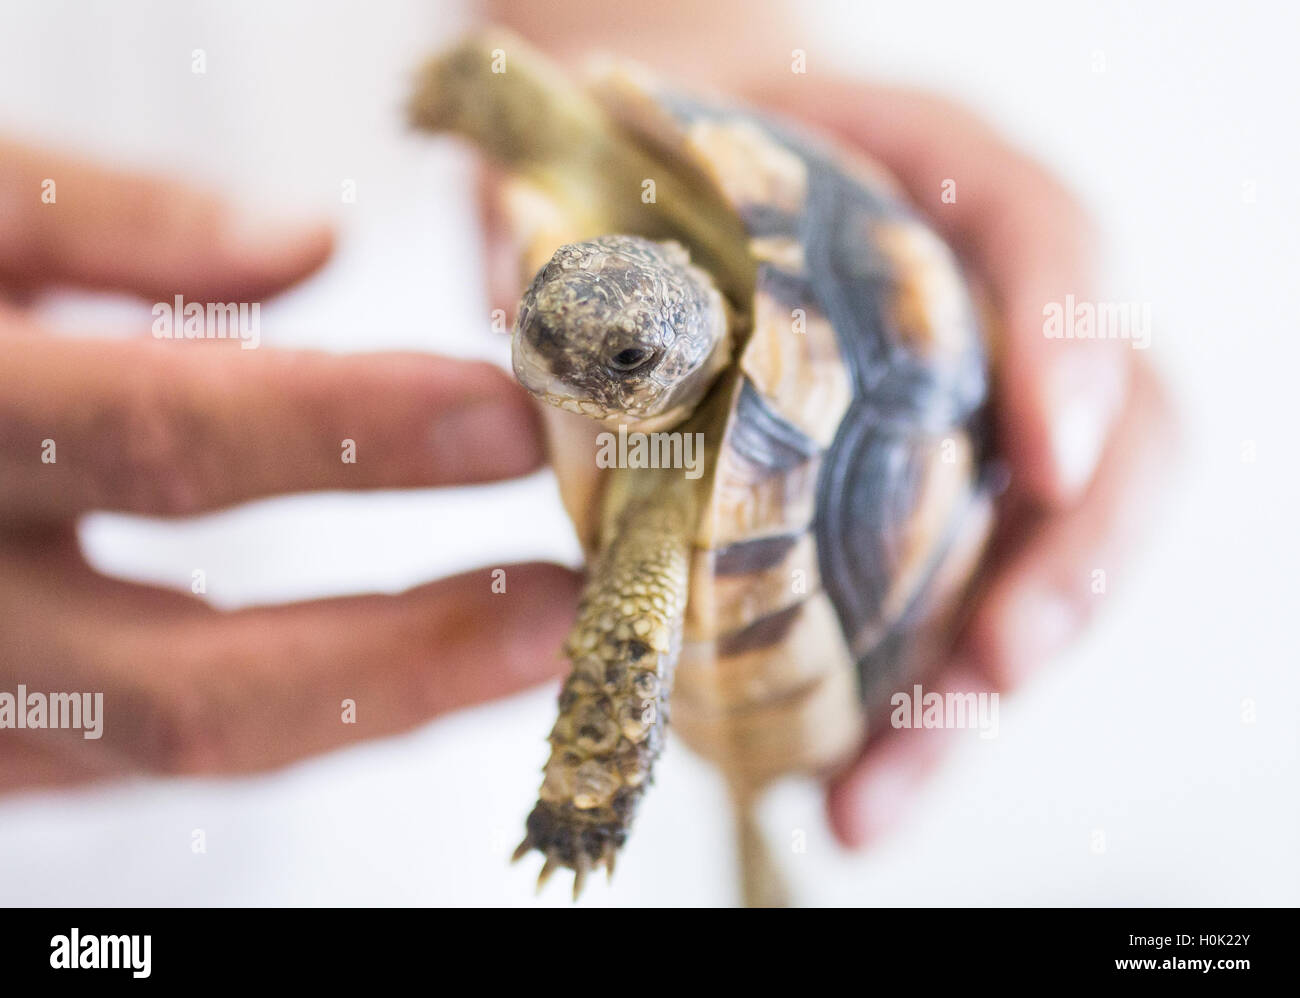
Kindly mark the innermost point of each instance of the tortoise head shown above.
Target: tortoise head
(621, 329)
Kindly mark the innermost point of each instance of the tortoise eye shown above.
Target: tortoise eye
(630, 359)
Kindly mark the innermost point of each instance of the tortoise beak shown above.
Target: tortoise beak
(542, 384)
(529, 374)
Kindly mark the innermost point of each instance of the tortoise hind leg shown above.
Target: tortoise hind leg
(613, 706)
(525, 112)
(762, 884)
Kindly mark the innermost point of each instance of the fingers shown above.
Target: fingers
(27, 766)
(501, 249)
(261, 688)
(65, 220)
(169, 428)
(1062, 568)
(1058, 399)
(877, 791)
(187, 689)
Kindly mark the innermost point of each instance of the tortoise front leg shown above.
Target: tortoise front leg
(613, 706)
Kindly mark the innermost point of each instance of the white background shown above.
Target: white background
(1138, 733)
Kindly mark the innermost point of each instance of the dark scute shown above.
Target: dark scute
(745, 557)
(786, 288)
(762, 220)
(761, 633)
(763, 438)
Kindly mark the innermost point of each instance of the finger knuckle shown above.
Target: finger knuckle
(184, 736)
(157, 466)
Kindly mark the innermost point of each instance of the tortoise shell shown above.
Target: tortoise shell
(848, 486)
(846, 496)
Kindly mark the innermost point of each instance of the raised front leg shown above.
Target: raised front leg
(614, 704)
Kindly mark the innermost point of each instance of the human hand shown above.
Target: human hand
(178, 427)
(1083, 425)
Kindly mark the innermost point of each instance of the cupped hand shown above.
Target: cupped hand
(177, 427)
(1083, 425)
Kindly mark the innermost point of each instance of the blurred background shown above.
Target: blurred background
(1155, 764)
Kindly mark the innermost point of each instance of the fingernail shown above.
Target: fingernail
(266, 235)
(1083, 406)
(1041, 623)
(887, 793)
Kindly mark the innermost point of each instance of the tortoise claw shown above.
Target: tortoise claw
(582, 864)
(579, 877)
(522, 850)
(549, 867)
(581, 869)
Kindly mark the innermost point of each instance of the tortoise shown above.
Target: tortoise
(707, 273)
